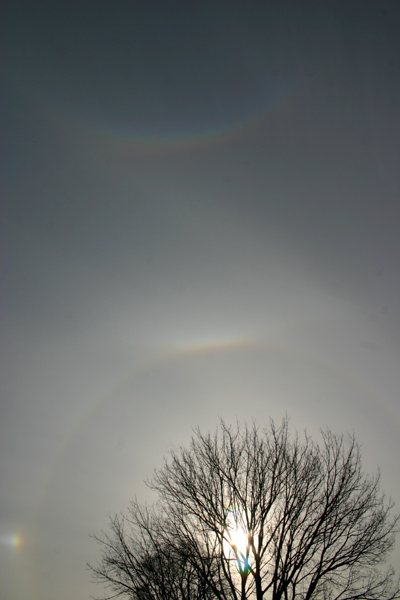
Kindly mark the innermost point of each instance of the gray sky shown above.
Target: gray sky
(200, 214)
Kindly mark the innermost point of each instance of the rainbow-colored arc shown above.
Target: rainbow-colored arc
(110, 133)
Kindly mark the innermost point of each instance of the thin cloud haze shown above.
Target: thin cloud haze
(199, 220)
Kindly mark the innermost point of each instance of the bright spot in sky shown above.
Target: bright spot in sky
(12, 540)
(237, 538)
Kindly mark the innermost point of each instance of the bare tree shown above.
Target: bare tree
(140, 563)
(248, 514)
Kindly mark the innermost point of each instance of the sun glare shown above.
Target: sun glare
(239, 539)
(236, 538)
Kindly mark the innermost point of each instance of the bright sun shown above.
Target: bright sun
(236, 539)
(239, 539)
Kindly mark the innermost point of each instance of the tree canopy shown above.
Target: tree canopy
(247, 513)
